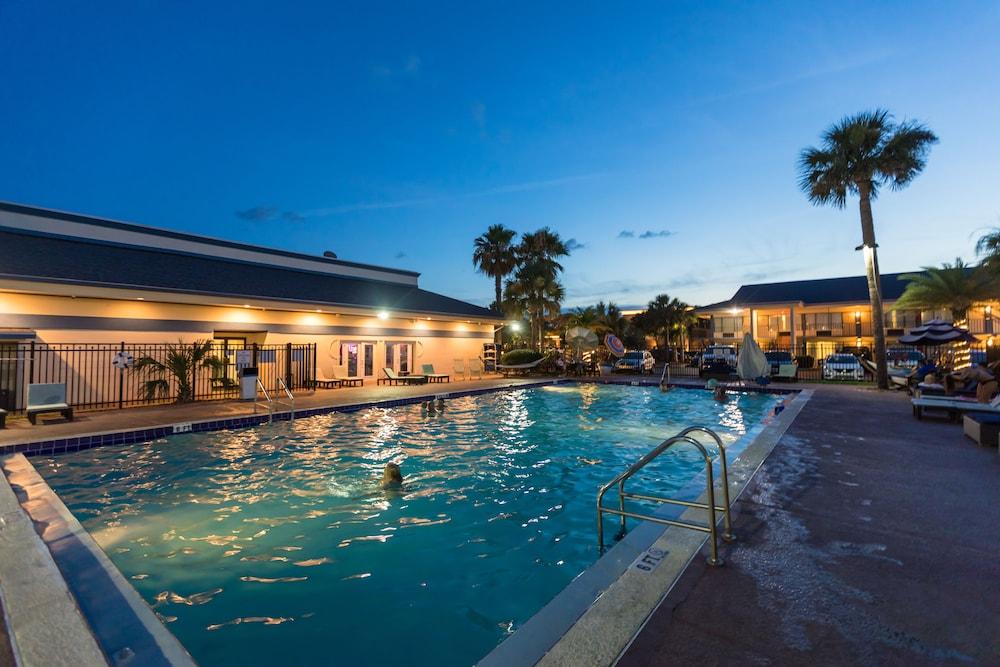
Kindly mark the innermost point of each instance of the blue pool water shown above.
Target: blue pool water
(275, 545)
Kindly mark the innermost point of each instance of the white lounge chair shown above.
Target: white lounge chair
(392, 378)
(459, 368)
(428, 370)
(475, 368)
(953, 405)
(49, 397)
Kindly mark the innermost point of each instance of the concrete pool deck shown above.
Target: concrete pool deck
(867, 537)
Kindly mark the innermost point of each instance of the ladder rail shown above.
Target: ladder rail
(261, 389)
(685, 438)
(290, 404)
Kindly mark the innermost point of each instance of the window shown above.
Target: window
(728, 324)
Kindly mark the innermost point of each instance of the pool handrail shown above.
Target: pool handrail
(710, 506)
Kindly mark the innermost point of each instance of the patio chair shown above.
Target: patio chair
(391, 378)
(49, 397)
(431, 376)
(350, 380)
(326, 380)
(459, 368)
(475, 368)
(788, 372)
(953, 405)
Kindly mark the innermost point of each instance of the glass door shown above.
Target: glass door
(399, 356)
(352, 350)
(369, 359)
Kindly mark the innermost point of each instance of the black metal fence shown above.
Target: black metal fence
(94, 382)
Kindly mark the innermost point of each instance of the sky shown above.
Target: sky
(661, 138)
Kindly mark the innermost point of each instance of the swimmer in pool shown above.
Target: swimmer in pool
(392, 478)
(719, 394)
(589, 462)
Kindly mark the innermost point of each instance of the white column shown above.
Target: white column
(791, 328)
(753, 324)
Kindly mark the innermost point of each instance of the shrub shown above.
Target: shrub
(515, 357)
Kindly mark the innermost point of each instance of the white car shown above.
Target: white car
(843, 367)
(637, 361)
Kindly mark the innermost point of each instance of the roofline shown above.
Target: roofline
(185, 236)
(246, 297)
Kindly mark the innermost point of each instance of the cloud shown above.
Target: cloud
(258, 213)
(409, 67)
(573, 244)
(526, 186)
(269, 213)
(648, 234)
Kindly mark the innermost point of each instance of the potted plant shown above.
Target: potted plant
(605, 363)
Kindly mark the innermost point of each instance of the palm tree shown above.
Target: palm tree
(536, 291)
(542, 246)
(955, 287)
(588, 317)
(988, 246)
(612, 319)
(495, 256)
(859, 155)
(181, 363)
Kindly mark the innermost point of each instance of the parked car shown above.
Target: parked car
(842, 366)
(777, 359)
(636, 361)
(904, 358)
(713, 354)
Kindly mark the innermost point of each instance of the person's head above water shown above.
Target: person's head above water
(391, 476)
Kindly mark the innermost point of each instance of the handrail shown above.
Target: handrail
(289, 395)
(270, 403)
(711, 507)
(727, 521)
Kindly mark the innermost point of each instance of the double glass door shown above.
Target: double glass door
(359, 358)
(399, 357)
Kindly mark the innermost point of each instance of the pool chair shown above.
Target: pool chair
(50, 397)
(431, 376)
(391, 378)
(475, 368)
(955, 406)
(326, 380)
(459, 368)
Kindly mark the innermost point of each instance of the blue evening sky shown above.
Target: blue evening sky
(396, 134)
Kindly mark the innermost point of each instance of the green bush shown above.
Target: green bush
(515, 357)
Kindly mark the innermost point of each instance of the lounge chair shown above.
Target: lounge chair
(953, 405)
(459, 367)
(475, 368)
(327, 381)
(3, 418)
(787, 372)
(898, 379)
(435, 377)
(50, 397)
(391, 378)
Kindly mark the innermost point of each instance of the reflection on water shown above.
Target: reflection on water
(276, 544)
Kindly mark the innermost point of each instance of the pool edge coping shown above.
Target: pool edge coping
(607, 602)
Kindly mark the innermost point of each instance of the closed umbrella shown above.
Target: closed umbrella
(751, 362)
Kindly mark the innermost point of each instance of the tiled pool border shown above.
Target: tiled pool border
(111, 585)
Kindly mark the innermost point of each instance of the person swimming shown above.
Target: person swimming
(719, 394)
(392, 477)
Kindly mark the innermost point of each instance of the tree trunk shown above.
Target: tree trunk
(497, 336)
(868, 247)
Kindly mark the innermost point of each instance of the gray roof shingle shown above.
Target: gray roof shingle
(853, 289)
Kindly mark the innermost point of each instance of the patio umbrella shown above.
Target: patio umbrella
(615, 345)
(581, 339)
(937, 332)
(751, 362)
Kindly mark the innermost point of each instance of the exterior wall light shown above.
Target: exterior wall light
(382, 314)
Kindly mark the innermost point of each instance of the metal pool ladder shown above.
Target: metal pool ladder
(684, 437)
(270, 402)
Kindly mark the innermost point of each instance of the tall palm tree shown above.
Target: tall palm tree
(536, 291)
(494, 255)
(612, 319)
(988, 247)
(859, 155)
(542, 246)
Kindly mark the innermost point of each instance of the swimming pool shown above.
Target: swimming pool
(275, 544)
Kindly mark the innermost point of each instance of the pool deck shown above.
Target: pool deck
(867, 537)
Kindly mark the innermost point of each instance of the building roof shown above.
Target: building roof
(37, 256)
(853, 289)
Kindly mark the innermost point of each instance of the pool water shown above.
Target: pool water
(276, 544)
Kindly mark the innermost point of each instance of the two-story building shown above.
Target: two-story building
(819, 317)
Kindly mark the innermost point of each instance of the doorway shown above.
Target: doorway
(358, 358)
(399, 357)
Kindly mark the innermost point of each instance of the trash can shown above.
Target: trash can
(248, 383)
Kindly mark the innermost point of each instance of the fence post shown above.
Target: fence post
(254, 364)
(288, 365)
(312, 378)
(121, 382)
(31, 364)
